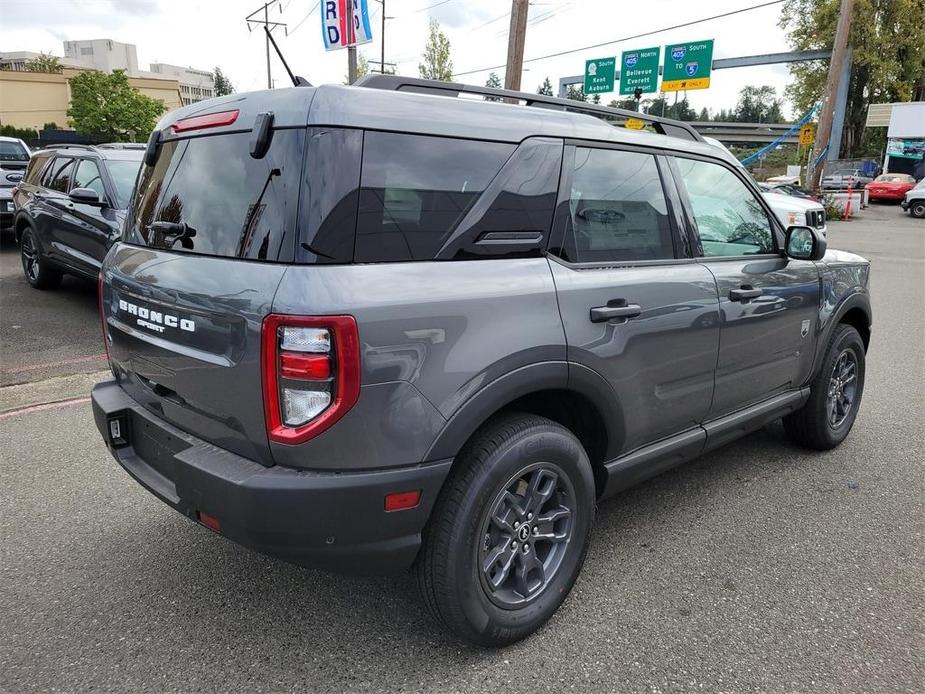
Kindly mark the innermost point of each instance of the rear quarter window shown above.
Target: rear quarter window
(414, 190)
(234, 205)
(34, 170)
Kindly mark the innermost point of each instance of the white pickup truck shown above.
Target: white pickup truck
(790, 210)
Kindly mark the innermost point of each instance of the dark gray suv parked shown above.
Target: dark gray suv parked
(372, 328)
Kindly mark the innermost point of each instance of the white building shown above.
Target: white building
(104, 55)
(107, 55)
(195, 85)
(16, 60)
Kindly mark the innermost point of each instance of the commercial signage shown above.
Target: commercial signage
(599, 75)
(687, 66)
(639, 70)
(345, 23)
(906, 149)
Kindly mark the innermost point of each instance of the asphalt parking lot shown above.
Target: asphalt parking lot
(760, 567)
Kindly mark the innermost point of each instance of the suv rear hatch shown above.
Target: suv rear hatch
(208, 235)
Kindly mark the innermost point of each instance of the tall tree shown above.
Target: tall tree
(704, 115)
(888, 64)
(759, 105)
(575, 93)
(545, 88)
(437, 64)
(223, 85)
(679, 110)
(44, 62)
(627, 103)
(494, 82)
(110, 106)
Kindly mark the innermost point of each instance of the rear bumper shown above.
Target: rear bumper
(334, 521)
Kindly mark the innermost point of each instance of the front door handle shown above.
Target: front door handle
(617, 308)
(744, 293)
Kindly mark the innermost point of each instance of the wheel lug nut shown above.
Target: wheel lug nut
(529, 516)
(536, 530)
(516, 525)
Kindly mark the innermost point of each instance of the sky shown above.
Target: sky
(208, 33)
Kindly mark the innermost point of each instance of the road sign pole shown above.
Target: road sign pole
(517, 36)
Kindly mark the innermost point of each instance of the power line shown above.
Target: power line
(429, 7)
(626, 38)
(302, 21)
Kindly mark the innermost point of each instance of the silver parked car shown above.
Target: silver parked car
(842, 179)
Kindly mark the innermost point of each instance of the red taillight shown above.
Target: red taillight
(399, 501)
(312, 367)
(99, 297)
(210, 120)
(311, 374)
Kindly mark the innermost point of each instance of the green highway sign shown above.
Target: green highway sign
(639, 70)
(599, 75)
(687, 66)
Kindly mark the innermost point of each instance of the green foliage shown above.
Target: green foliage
(704, 115)
(437, 64)
(627, 104)
(545, 88)
(44, 62)
(575, 93)
(888, 43)
(21, 133)
(679, 110)
(110, 106)
(759, 105)
(223, 85)
(494, 82)
(362, 68)
(51, 126)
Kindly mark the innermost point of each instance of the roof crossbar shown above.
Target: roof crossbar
(663, 126)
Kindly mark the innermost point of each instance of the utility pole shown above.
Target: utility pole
(268, 27)
(839, 53)
(351, 64)
(517, 35)
(382, 57)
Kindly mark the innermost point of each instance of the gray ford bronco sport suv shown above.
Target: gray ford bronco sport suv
(384, 327)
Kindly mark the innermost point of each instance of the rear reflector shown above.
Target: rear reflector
(399, 501)
(210, 120)
(211, 522)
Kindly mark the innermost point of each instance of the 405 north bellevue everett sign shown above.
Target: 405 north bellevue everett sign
(639, 70)
(687, 66)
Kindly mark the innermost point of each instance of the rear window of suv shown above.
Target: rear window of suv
(232, 204)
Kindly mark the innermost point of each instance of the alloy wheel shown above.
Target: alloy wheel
(30, 257)
(843, 387)
(525, 534)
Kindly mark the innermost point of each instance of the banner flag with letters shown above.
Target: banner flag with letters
(345, 23)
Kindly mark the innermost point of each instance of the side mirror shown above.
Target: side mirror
(805, 243)
(86, 196)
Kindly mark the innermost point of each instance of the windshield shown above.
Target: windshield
(892, 178)
(13, 151)
(123, 175)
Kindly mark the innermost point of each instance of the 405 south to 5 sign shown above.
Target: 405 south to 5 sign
(687, 66)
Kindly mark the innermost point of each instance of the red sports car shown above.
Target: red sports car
(889, 186)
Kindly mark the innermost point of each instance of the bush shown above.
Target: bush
(21, 133)
(832, 210)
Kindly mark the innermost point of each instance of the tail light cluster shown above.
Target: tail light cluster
(311, 374)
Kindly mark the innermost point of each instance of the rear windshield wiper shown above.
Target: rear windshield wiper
(168, 233)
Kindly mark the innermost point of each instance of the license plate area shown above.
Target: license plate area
(155, 446)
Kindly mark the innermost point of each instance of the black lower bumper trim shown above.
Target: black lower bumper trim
(327, 520)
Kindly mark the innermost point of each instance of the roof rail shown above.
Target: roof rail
(122, 145)
(92, 148)
(663, 126)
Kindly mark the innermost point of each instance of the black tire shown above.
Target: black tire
(917, 208)
(38, 271)
(514, 451)
(824, 421)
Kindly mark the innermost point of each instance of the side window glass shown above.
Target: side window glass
(617, 209)
(36, 164)
(88, 176)
(729, 219)
(59, 174)
(414, 190)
